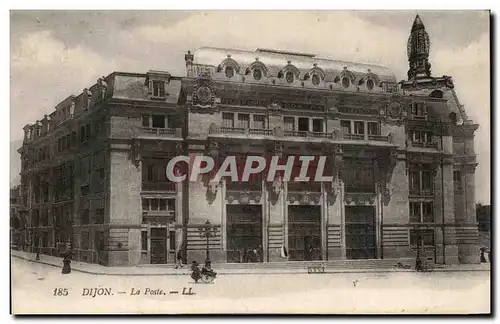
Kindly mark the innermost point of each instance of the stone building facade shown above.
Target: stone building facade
(401, 155)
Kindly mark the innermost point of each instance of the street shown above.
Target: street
(39, 289)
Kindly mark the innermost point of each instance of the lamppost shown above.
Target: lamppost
(418, 262)
(207, 232)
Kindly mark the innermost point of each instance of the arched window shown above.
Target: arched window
(436, 94)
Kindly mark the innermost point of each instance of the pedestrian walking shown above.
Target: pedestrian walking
(179, 260)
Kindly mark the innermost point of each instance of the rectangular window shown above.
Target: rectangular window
(85, 240)
(145, 121)
(145, 204)
(346, 126)
(414, 180)
(303, 124)
(419, 109)
(427, 181)
(99, 244)
(85, 217)
(228, 120)
(45, 239)
(243, 121)
(259, 121)
(171, 237)
(359, 127)
(457, 176)
(144, 241)
(422, 137)
(99, 216)
(158, 121)
(171, 204)
(427, 212)
(373, 128)
(73, 139)
(317, 125)
(83, 138)
(415, 212)
(359, 178)
(45, 193)
(159, 89)
(289, 123)
(87, 132)
(84, 170)
(150, 172)
(154, 204)
(426, 237)
(163, 204)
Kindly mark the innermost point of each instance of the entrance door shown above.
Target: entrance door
(159, 247)
(304, 233)
(244, 233)
(360, 232)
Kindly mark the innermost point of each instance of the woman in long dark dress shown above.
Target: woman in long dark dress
(196, 275)
(66, 263)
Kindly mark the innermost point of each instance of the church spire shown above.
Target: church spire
(418, 51)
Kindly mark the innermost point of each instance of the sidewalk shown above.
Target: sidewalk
(162, 270)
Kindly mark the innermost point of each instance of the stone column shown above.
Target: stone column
(468, 240)
(445, 235)
(334, 201)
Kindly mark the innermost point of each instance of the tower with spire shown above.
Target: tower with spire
(418, 51)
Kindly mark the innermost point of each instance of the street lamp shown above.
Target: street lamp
(418, 262)
(207, 232)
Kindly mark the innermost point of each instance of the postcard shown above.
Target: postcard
(250, 162)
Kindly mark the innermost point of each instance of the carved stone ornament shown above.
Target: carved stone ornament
(305, 198)
(275, 107)
(394, 110)
(334, 187)
(179, 148)
(212, 148)
(212, 187)
(244, 197)
(230, 199)
(203, 93)
(277, 185)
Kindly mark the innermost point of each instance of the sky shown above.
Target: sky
(58, 53)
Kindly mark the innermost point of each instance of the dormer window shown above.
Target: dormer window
(229, 72)
(346, 82)
(257, 74)
(315, 79)
(158, 89)
(289, 77)
(370, 84)
(157, 82)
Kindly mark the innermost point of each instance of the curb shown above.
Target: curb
(252, 273)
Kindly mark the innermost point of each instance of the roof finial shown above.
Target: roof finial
(417, 23)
